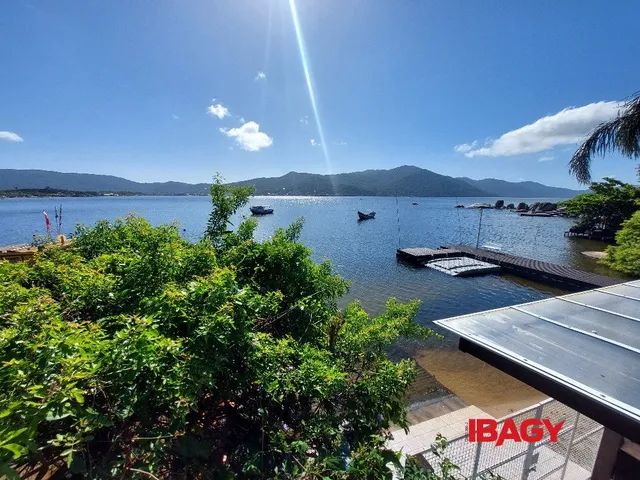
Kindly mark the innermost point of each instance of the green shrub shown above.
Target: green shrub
(605, 206)
(625, 257)
(133, 352)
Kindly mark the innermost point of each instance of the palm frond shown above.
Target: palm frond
(621, 133)
(628, 136)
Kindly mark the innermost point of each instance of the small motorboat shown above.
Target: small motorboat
(460, 206)
(414, 203)
(480, 205)
(260, 210)
(366, 216)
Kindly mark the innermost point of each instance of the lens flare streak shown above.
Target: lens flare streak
(307, 75)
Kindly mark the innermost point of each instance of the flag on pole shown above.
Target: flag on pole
(47, 222)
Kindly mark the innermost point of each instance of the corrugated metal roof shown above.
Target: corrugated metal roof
(588, 342)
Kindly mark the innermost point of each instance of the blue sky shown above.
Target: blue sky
(172, 90)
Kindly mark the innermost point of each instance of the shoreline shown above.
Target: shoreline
(455, 379)
(266, 195)
(473, 382)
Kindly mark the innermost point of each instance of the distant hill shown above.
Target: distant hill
(502, 188)
(44, 192)
(403, 181)
(11, 179)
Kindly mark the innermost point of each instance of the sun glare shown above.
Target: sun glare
(304, 57)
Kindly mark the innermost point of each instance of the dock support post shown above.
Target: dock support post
(479, 227)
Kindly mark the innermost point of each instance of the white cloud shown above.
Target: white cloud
(249, 137)
(260, 76)
(568, 126)
(218, 110)
(304, 120)
(314, 143)
(546, 158)
(465, 147)
(175, 117)
(10, 136)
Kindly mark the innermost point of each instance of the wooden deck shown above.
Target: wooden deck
(544, 272)
(419, 256)
(17, 253)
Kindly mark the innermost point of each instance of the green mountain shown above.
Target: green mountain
(11, 179)
(403, 181)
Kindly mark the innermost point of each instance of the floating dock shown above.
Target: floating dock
(420, 256)
(462, 266)
(544, 272)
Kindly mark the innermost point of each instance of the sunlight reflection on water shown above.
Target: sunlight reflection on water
(362, 252)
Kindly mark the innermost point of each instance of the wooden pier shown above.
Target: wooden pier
(419, 256)
(544, 272)
(591, 235)
(17, 253)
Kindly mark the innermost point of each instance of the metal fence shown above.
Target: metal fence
(572, 457)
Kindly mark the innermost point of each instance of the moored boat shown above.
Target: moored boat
(260, 210)
(366, 216)
(480, 205)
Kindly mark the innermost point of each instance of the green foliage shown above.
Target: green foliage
(134, 351)
(625, 256)
(225, 202)
(605, 206)
(621, 134)
(445, 469)
(41, 240)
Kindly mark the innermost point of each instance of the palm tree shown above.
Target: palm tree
(621, 133)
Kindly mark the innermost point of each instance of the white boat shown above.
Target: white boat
(480, 205)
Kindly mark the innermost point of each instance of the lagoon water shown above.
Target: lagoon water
(364, 253)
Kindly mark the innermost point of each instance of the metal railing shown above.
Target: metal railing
(571, 457)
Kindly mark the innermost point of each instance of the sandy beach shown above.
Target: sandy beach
(477, 383)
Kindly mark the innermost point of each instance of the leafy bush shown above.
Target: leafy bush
(625, 257)
(605, 206)
(135, 353)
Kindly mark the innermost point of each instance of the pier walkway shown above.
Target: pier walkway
(17, 253)
(544, 272)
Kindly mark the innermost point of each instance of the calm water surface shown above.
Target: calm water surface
(362, 252)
